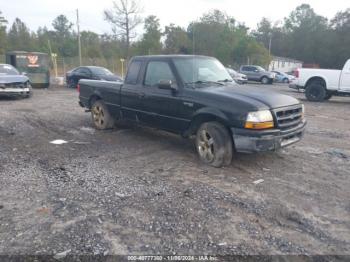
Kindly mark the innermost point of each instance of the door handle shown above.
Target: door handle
(142, 95)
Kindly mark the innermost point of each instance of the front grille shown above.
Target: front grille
(12, 85)
(289, 117)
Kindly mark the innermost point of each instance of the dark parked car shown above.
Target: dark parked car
(258, 74)
(195, 96)
(89, 72)
(12, 83)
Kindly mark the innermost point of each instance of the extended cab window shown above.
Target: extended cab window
(133, 73)
(157, 71)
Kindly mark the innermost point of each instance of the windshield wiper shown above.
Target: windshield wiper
(199, 82)
(225, 81)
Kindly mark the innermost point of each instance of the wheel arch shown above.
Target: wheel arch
(203, 116)
(94, 98)
(263, 76)
(317, 78)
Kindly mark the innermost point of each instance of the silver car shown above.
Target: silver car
(258, 74)
(12, 83)
(238, 77)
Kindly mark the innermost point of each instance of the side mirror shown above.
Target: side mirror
(167, 85)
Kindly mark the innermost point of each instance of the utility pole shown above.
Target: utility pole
(270, 44)
(79, 41)
(53, 57)
(122, 60)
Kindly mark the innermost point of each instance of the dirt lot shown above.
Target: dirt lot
(140, 191)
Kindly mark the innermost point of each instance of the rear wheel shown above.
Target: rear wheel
(101, 116)
(214, 144)
(316, 92)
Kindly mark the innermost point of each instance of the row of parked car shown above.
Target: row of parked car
(245, 74)
(258, 74)
(13, 82)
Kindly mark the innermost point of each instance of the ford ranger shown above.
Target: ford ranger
(195, 96)
(322, 84)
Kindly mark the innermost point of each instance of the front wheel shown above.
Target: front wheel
(286, 81)
(101, 116)
(214, 144)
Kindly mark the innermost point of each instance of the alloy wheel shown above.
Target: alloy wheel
(206, 146)
(98, 116)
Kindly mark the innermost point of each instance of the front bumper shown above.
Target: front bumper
(250, 141)
(15, 91)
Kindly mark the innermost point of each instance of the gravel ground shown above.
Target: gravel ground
(136, 190)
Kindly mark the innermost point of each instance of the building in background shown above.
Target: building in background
(284, 64)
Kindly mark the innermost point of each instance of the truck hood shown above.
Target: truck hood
(8, 79)
(258, 97)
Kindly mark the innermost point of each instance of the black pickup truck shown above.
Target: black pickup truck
(195, 96)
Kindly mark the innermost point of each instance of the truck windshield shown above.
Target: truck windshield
(199, 70)
(8, 70)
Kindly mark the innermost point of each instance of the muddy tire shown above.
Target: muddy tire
(214, 144)
(315, 92)
(100, 116)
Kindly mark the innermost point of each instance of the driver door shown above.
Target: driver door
(160, 107)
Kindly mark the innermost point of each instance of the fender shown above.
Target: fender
(324, 78)
(96, 93)
(205, 114)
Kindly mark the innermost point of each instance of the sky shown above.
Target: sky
(36, 13)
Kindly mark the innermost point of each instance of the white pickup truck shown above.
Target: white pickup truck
(322, 84)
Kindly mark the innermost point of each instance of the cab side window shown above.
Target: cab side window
(157, 71)
(247, 68)
(133, 73)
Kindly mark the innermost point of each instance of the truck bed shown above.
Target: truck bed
(106, 90)
(331, 77)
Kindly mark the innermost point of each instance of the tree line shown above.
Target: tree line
(303, 35)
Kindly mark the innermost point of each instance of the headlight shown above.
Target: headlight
(259, 120)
